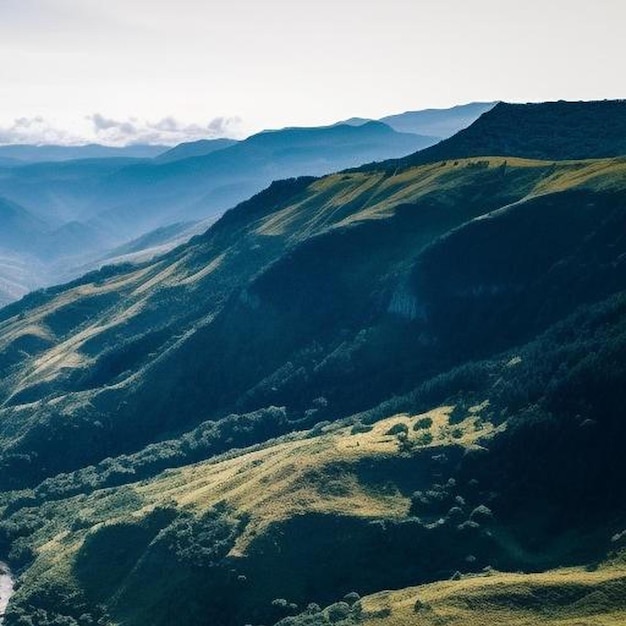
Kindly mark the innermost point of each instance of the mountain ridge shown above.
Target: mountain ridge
(419, 368)
(28, 153)
(551, 130)
(441, 123)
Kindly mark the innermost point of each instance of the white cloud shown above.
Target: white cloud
(168, 130)
(99, 128)
(280, 63)
(37, 131)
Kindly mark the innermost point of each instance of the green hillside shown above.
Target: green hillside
(547, 130)
(406, 379)
(313, 277)
(95, 206)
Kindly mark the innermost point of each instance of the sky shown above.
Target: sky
(156, 71)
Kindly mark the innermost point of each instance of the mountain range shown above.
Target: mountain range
(20, 154)
(411, 370)
(94, 199)
(438, 123)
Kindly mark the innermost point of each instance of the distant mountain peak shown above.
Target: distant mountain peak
(190, 149)
(25, 153)
(440, 123)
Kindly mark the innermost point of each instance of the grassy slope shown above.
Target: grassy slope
(89, 344)
(564, 597)
(352, 475)
(299, 484)
(327, 486)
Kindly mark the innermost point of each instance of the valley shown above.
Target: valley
(76, 208)
(387, 395)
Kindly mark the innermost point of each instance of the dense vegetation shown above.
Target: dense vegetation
(415, 375)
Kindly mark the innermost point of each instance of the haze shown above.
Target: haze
(137, 70)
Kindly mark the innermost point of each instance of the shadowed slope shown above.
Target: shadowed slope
(549, 130)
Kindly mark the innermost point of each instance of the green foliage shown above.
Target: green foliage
(425, 439)
(54, 603)
(398, 429)
(423, 423)
(339, 613)
(201, 542)
(208, 439)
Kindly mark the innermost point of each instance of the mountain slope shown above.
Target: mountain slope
(194, 149)
(114, 201)
(548, 130)
(421, 495)
(418, 369)
(300, 246)
(441, 123)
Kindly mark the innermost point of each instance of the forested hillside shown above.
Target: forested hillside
(414, 372)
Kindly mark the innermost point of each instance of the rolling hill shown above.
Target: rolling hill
(417, 368)
(265, 263)
(98, 205)
(98, 198)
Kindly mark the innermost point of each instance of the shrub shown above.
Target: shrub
(455, 513)
(423, 423)
(398, 429)
(424, 439)
(338, 611)
(481, 512)
(202, 541)
(352, 597)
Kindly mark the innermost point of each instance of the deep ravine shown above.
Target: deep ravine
(6, 588)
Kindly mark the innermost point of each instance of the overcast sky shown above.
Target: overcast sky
(119, 71)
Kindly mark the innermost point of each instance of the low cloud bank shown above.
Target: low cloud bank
(98, 128)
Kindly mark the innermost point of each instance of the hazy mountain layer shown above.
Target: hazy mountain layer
(17, 154)
(95, 205)
(194, 149)
(440, 123)
(91, 209)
